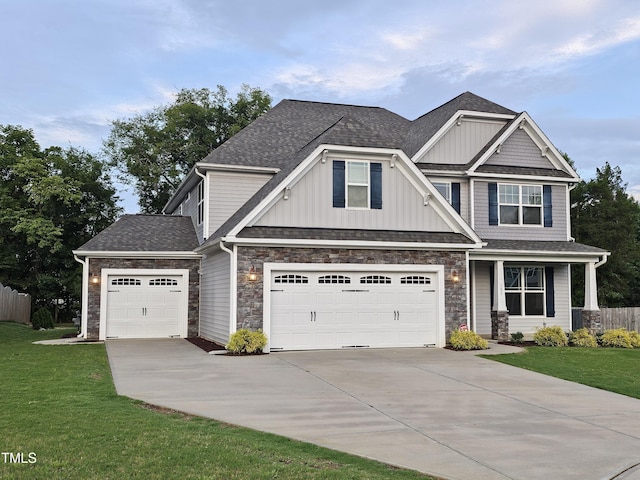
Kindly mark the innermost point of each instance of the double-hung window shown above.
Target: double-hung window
(357, 184)
(525, 290)
(520, 204)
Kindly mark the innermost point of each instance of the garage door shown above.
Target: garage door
(145, 306)
(320, 310)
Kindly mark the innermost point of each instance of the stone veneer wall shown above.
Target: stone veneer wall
(250, 302)
(97, 264)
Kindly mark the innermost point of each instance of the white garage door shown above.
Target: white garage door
(145, 306)
(322, 310)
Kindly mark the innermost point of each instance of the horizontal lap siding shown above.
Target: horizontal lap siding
(215, 294)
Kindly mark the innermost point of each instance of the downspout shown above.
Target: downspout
(85, 295)
(233, 285)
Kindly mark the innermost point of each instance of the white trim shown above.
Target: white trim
(269, 267)
(459, 115)
(220, 167)
(282, 242)
(472, 203)
(518, 177)
(137, 254)
(84, 302)
(104, 286)
(536, 256)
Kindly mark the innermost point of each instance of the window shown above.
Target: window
(291, 278)
(200, 202)
(444, 188)
(375, 279)
(415, 280)
(357, 185)
(163, 282)
(520, 204)
(334, 279)
(125, 281)
(525, 290)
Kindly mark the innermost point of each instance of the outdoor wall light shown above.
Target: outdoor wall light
(455, 277)
(253, 276)
(95, 279)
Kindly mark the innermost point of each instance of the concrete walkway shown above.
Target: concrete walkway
(449, 414)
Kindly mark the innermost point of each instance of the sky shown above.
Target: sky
(68, 68)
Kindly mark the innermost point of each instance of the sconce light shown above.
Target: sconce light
(253, 276)
(455, 278)
(95, 279)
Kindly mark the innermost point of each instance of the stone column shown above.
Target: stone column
(499, 314)
(591, 311)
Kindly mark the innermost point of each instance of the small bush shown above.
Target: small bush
(550, 337)
(247, 341)
(635, 339)
(617, 338)
(42, 318)
(467, 340)
(582, 338)
(517, 337)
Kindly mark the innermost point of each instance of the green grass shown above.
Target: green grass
(613, 369)
(59, 402)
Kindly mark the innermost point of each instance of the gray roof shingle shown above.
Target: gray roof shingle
(542, 246)
(145, 233)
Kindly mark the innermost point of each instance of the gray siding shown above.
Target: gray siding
(464, 194)
(310, 204)
(486, 231)
(519, 151)
(215, 295)
(228, 191)
(190, 208)
(461, 143)
(482, 297)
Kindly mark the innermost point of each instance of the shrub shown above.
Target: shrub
(617, 338)
(42, 318)
(582, 338)
(467, 340)
(550, 337)
(247, 341)
(635, 339)
(517, 337)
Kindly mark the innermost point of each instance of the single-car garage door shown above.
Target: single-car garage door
(327, 310)
(145, 306)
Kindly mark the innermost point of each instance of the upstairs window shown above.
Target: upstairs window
(444, 188)
(520, 204)
(451, 192)
(357, 184)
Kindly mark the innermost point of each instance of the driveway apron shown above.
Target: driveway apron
(449, 414)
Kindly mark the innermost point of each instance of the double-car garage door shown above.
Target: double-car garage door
(341, 309)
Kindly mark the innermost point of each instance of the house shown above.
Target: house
(332, 226)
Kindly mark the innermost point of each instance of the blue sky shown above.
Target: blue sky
(70, 67)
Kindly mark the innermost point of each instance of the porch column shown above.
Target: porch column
(591, 311)
(499, 313)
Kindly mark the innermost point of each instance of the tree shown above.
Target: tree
(605, 216)
(51, 201)
(155, 150)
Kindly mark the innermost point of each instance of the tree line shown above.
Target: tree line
(53, 200)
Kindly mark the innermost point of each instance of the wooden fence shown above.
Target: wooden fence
(625, 317)
(14, 305)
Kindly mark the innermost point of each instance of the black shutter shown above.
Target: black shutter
(455, 196)
(550, 292)
(338, 184)
(375, 172)
(548, 210)
(493, 204)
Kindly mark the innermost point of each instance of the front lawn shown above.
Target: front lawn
(59, 411)
(613, 369)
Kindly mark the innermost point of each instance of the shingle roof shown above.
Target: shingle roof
(145, 233)
(354, 234)
(542, 246)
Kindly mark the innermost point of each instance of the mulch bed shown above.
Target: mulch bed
(205, 345)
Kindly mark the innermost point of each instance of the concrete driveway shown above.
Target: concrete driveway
(449, 414)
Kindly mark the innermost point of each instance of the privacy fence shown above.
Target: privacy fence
(14, 305)
(626, 317)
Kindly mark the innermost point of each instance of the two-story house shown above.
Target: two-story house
(332, 226)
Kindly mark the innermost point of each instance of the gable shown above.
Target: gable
(519, 150)
(461, 143)
(308, 202)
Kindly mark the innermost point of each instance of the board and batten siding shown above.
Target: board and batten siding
(228, 191)
(520, 232)
(526, 325)
(215, 297)
(189, 207)
(519, 149)
(462, 142)
(310, 205)
(464, 193)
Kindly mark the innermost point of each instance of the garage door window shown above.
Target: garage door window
(375, 280)
(334, 279)
(163, 282)
(288, 279)
(415, 280)
(125, 282)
